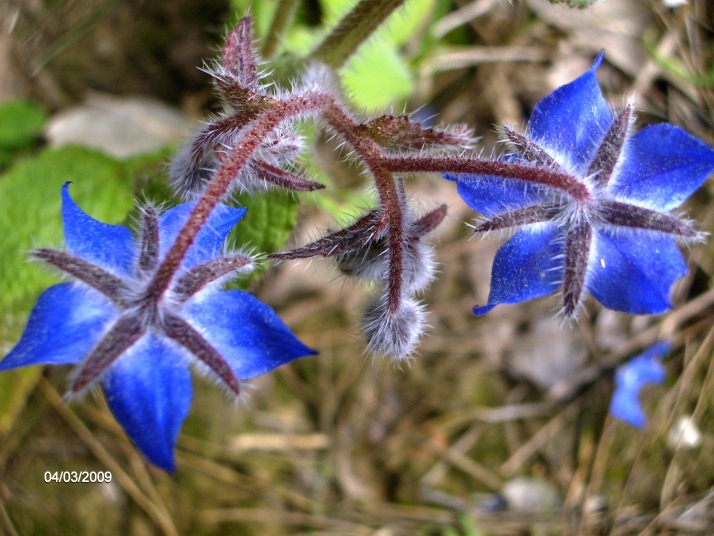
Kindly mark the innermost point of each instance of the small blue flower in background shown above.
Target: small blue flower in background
(631, 378)
(602, 223)
(140, 346)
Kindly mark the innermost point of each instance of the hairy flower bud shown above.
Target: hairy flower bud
(194, 164)
(395, 334)
(371, 263)
(185, 177)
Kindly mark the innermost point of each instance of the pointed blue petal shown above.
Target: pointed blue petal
(630, 380)
(247, 333)
(634, 272)
(64, 326)
(492, 196)
(109, 246)
(149, 392)
(525, 268)
(210, 239)
(573, 120)
(662, 166)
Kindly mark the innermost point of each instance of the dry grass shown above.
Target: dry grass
(342, 444)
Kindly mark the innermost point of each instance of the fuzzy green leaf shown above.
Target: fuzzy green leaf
(269, 221)
(267, 225)
(377, 76)
(30, 194)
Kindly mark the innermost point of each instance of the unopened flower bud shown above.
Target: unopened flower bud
(185, 177)
(395, 334)
(371, 263)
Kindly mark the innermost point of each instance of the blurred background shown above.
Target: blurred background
(499, 426)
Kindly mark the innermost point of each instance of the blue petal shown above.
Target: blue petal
(639, 371)
(662, 166)
(630, 380)
(572, 121)
(109, 246)
(248, 333)
(525, 268)
(209, 240)
(149, 392)
(64, 326)
(656, 351)
(493, 195)
(634, 272)
(625, 406)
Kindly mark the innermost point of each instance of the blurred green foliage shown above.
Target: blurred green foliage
(21, 124)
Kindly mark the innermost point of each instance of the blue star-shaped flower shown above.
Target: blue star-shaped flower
(140, 345)
(631, 378)
(593, 208)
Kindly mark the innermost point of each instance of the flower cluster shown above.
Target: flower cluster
(252, 145)
(592, 207)
(139, 345)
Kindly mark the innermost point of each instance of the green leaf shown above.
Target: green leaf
(21, 124)
(266, 226)
(269, 221)
(30, 216)
(377, 76)
(406, 23)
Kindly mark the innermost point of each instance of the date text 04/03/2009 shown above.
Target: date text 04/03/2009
(81, 477)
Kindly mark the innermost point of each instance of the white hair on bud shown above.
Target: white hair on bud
(393, 334)
(418, 265)
(282, 146)
(186, 179)
(369, 263)
(372, 264)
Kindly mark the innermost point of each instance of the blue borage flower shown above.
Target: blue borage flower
(631, 378)
(140, 346)
(603, 223)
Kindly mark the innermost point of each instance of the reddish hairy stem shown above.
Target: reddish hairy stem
(458, 164)
(374, 158)
(254, 134)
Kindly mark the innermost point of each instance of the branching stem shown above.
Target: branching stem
(380, 164)
(373, 157)
(253, 135)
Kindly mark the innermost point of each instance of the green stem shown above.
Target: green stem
(283, 15)
(349, 34)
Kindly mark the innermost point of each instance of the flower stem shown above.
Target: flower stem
(459, 164)
(373, 157)
(283, 15)
(349, 34)
(255, 133)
